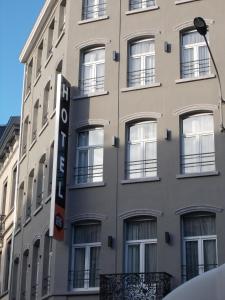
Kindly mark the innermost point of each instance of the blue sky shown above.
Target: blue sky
(17, 18)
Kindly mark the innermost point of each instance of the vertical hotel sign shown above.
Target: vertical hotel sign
(58, 199)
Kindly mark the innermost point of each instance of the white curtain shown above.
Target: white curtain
(199, 225)
(94, 266)
(79, 268)
(141, 230)
(87, 233)
(133, 259)
(209, 255)
(150, 257)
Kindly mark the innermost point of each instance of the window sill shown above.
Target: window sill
(87, 185)
(32, 144)
(37, 78)
(91, 95)
(38, 210)
(140, 10)
(53, 114)
(48, 199)
(3, 294)
(23, 157)
(48, 59)
(94, 291)
(17, 231)
(93, 20)
(27, 221)
(139, 180)
(203, 174)
(43, 128)
(184, 1)
(59, 38)
(135, 88)
(27, 95)
(190, 79)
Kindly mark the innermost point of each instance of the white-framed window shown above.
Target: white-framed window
(141, 245)
(62, 17)
(93, 9)
(29, 75)
(24, 276)
(141, 4)
(89, 162)
(50, 38)
(197, 144)
(141, 150)
(45, 110)
(25, 135)
(199, 244)
(39, 58)
(35, 121)
(195, 59)
(141, 62)
(30, 194)
(35, 271)
(86, 247)
(92, 70)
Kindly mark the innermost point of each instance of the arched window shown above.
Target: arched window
(46, 265)
(141, 62)
(46, 104)
(25, 135)
(89, 165)
(92, 71)
(20, 205)
(197, 143)
(141, 245)
(41, 180)
(86, 246)
(23, 289)
(62, 17)
(35, 271)
(199, 243)
(30, 194)
(195, 59)
(141, 150)
(35, 120)
(15, 273)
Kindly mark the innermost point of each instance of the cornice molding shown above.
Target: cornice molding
(141, 212)
(140, 115)
(88, 43)
(197, 208)
(195, 107)
(189, 24)
(141, 34)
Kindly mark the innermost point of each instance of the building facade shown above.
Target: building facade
(9, 154)
(145, 175)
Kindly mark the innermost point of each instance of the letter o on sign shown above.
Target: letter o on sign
(64, 115)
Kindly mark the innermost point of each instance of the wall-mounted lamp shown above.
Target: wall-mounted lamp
(110, 241)
(168, 135)
(167, 237)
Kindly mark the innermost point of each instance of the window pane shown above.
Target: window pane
(203, 60)
(79, 268)
(97, 168)
(83, 164)
(94, 267)
(141, 47)
(134, 76)
(149, 130)
(135, 163)
(96, 137)
(192, 264)
(199, 225)
(150, 162)
(133, 259)
(141, 230)
(150, 258)
(209, 254)
(100, 71)
(150, 69)
(87, 233)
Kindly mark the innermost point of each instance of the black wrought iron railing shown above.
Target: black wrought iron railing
(199, 162)
(191, 271)
(93, 10)
(136, 4)
(135, 286)
(84, 279)
(141, 168)
(46, 285)
(195, 68)
(89, 174)
(34, 291)
(91, 85)
(141, 77)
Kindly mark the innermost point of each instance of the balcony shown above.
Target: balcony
(199, 162)
(141, 77)
(141, 168)
(135, 286)
(91, 85)
(89, 174)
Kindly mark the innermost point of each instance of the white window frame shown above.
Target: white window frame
(198, 136)
(195, 47)
(95, 13)
(93, 79)
(141, 244)
(87, 261)
(143, 57)
(143, 143)
(200, 240)
(89, 149)
(143, 4)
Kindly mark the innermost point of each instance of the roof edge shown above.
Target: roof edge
(41, 19)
